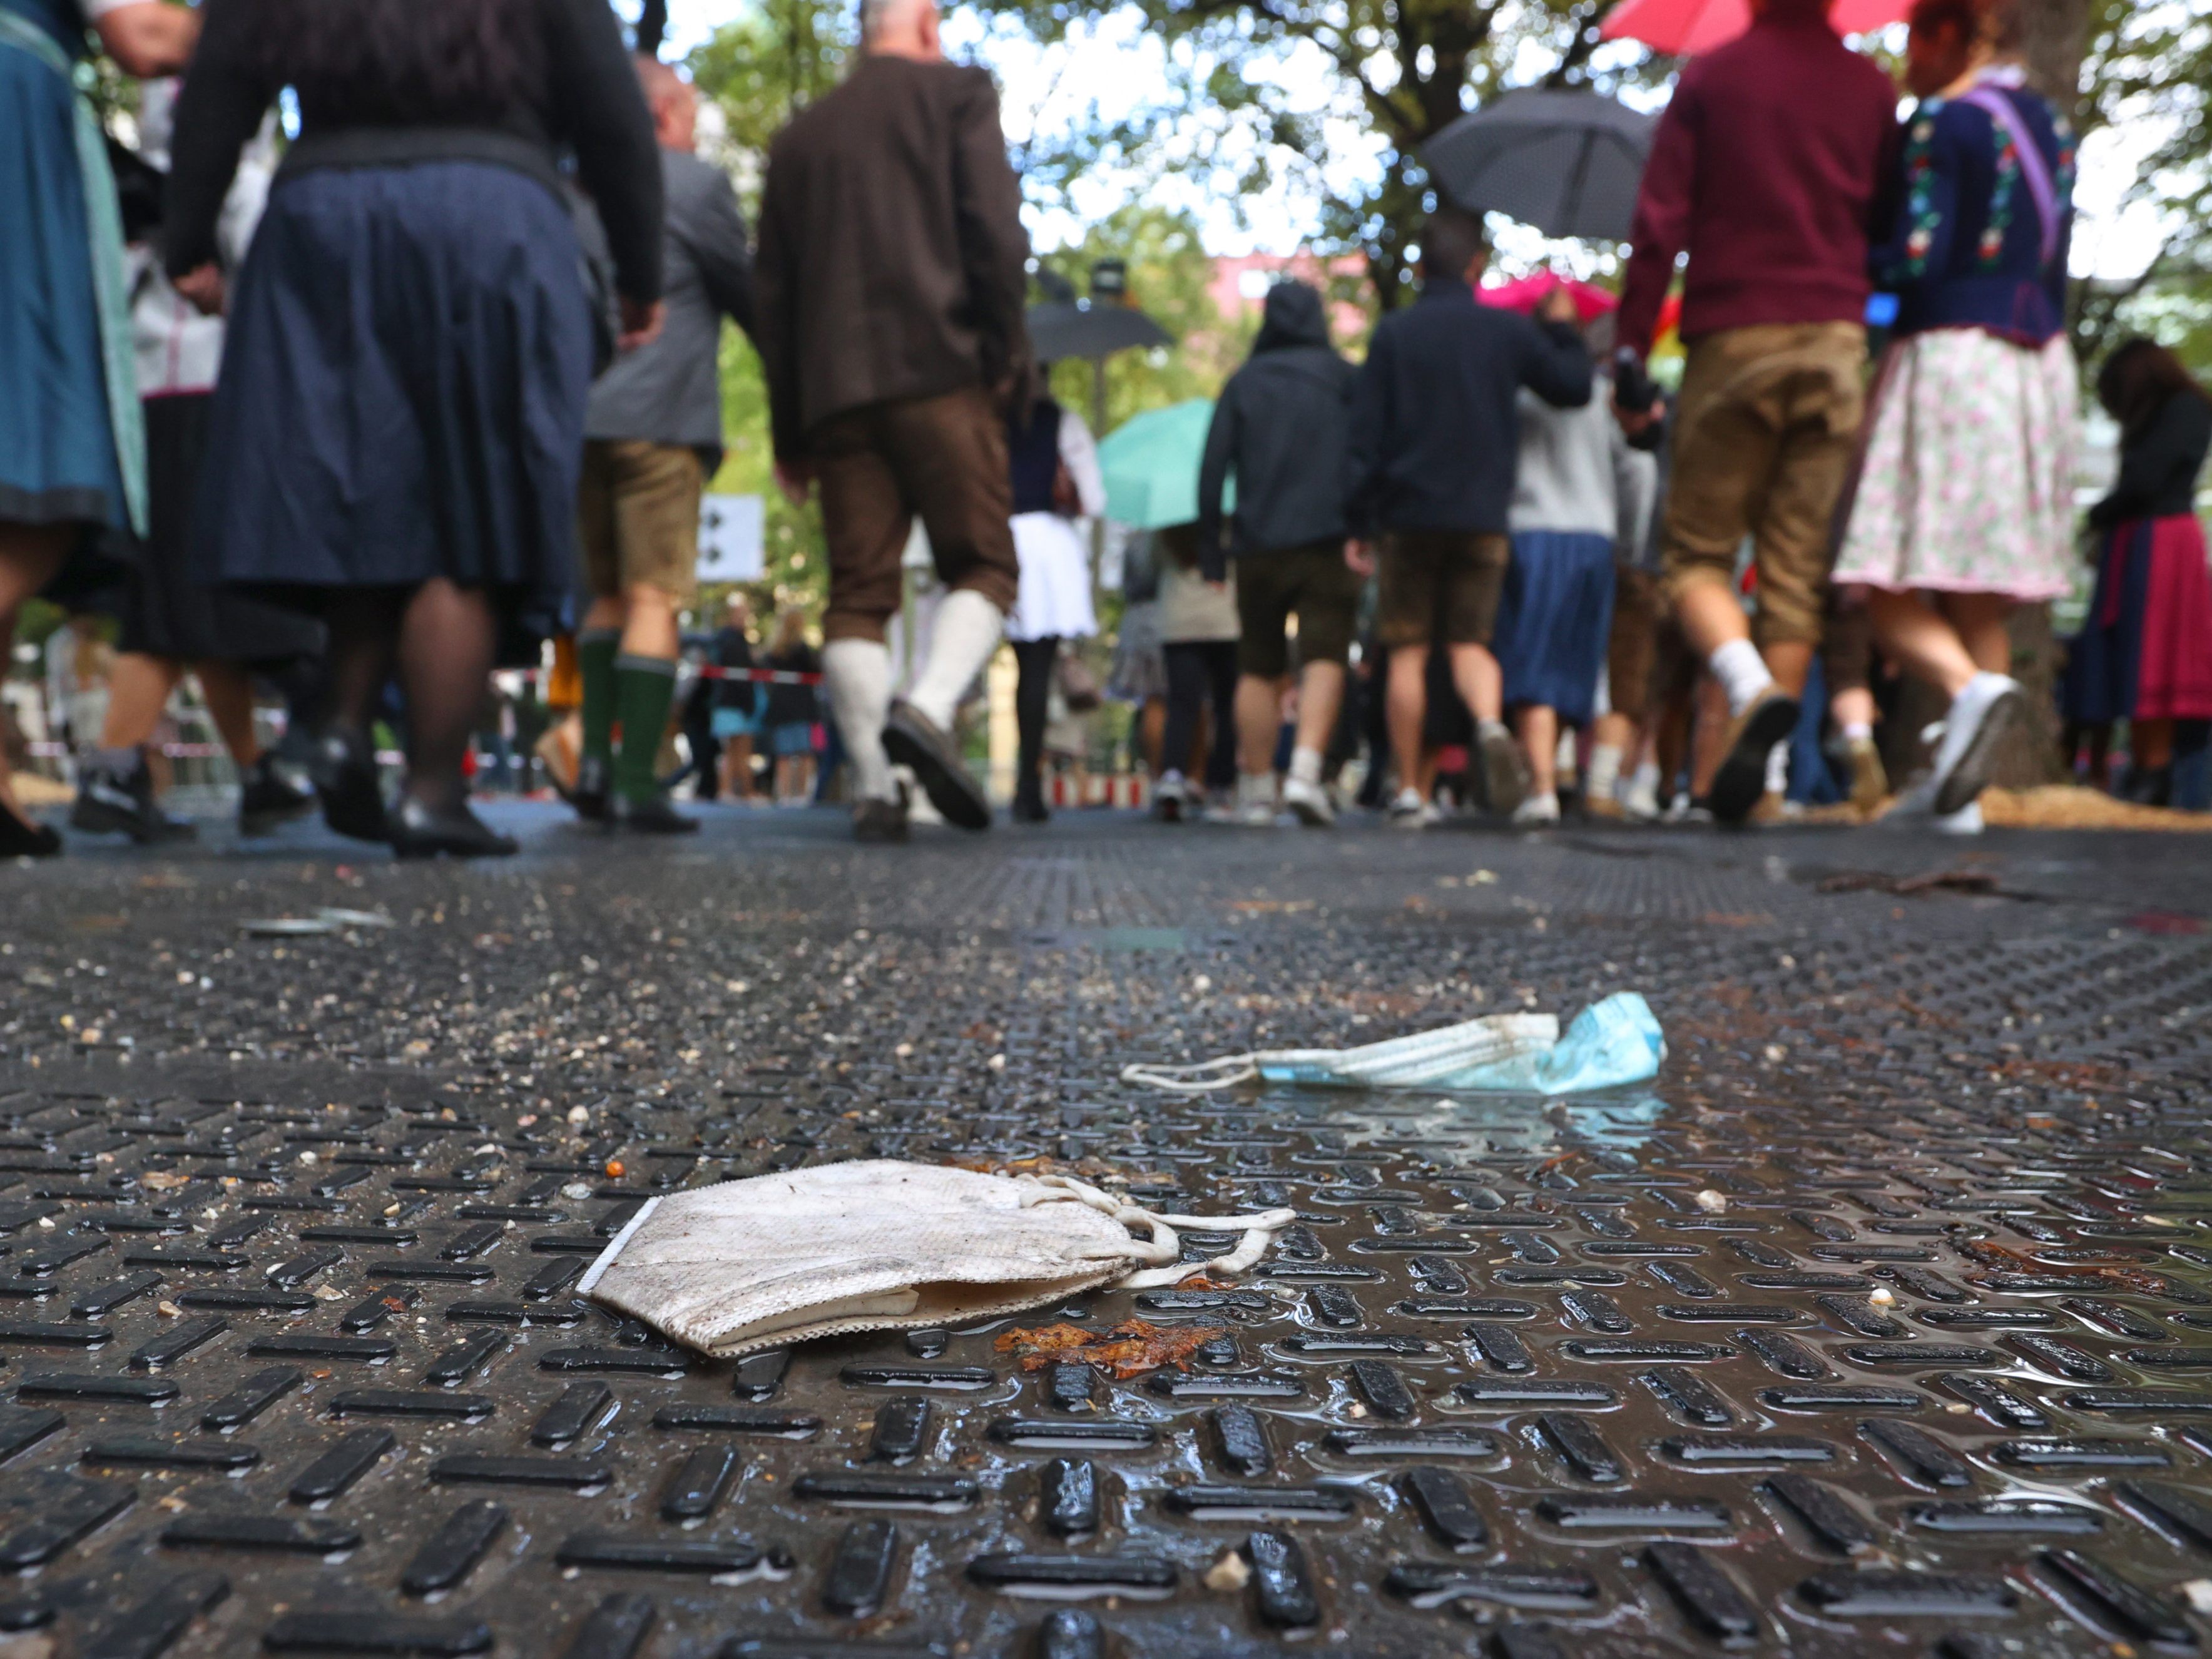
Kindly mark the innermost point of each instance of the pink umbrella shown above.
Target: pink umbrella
(1687, 27)
(1525, 293)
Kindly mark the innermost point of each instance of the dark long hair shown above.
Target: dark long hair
(405, 62)
(2138, 380)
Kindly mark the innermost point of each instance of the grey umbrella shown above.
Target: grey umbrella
(1566, 163)
(1061, 328)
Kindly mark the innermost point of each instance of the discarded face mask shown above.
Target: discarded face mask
(1612, 1043)
(884, 1245)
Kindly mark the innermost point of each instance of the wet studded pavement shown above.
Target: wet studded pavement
(1881, 1324)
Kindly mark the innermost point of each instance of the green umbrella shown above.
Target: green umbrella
(1150, 463)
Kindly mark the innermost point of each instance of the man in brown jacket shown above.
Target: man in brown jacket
(892, 269)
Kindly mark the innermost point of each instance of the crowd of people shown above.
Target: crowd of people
(367, 414)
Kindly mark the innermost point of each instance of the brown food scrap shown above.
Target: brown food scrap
(1132, 1348)
(1202, 1280)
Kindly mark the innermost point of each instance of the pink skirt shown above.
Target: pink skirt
(1965, 471)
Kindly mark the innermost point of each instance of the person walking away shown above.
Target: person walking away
(172, 624)
(72, 455)
(1199, 631)
(1429, 481)
(1572, 471)
(653, 438)
(892, 271)
(1139, 673)
(793, 711)
(737, 701)
(1282, 428)
(1056, 485)
(1623, 783)
(400, 423)
(1770, 168)
(1964, 492)
(2144, 653)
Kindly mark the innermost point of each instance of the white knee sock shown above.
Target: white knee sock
(965, 633)
(1741, 672)
(1604, 771)
(858, 675)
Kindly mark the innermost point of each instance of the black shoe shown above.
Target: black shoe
(880, 821)
(1741, 779)
(266, 798)
(417, 832)
(1029, 807)
(653, 815)
(21, 839)
(344, 774)
(112, 803)
(913, 739)
(590, 793)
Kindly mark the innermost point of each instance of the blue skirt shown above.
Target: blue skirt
(57, 462)
(403, 391)
(1554, 620)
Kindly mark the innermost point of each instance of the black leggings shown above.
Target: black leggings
(1033, 659)
(1196, 668)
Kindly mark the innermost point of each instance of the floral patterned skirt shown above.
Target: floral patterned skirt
(1964, 482)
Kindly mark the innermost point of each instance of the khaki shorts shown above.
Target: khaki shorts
(1763, 433)
(1440, 587)
(1315, 584)
(941, 459)
(637, 509)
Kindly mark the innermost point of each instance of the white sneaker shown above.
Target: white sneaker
(1973, 728)
(1410, 811)
(1967, 821)
(1171, 798)
(1222, 810)
(1311, 803)
(1538, 809)
(1642, 802)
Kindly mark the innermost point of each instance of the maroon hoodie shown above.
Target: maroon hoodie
(1772, 166)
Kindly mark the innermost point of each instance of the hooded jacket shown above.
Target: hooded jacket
(1281, 427)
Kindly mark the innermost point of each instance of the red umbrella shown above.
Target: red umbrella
(1685, 26)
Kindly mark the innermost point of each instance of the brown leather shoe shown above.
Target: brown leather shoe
(915, 741)
(1606, 809)
(879, 822)
(1741, 780)
(1869, 781)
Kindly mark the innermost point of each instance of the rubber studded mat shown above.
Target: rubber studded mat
(1881, 1324)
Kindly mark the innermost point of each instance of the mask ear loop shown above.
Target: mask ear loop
(1223, 1073)
(1164, 1248)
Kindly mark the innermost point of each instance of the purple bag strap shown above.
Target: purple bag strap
(2032, 168)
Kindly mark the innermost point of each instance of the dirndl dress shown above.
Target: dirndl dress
(2145, 649)
(1555, 620)
(403, 393)
(70, 451)
(1965, 477)
(1054, 598)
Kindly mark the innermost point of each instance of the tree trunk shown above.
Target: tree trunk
(2052, 36)
(2053, 33)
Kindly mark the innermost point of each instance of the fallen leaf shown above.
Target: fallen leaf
(1130, 1349)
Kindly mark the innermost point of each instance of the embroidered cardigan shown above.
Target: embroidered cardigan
(1967, 248)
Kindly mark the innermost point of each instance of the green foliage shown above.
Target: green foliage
(1400, 70)
(2149, 69)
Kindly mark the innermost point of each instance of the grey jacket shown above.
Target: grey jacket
(670, 391)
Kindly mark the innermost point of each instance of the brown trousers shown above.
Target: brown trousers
(1763, 433)
(942, 460)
